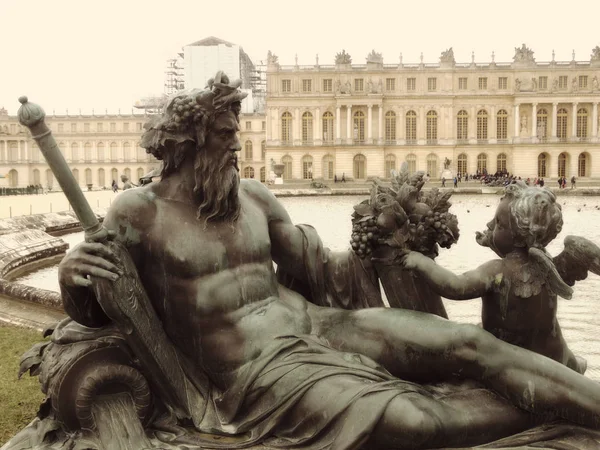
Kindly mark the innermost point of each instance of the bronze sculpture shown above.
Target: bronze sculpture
(251, 356)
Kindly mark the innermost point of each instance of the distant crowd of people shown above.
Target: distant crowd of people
(504, 178)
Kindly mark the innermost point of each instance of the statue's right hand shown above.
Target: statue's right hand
(85, 259)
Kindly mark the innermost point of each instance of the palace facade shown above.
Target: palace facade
(363, 120)
(101, 148)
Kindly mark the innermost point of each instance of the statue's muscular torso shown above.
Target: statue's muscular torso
(213, 287)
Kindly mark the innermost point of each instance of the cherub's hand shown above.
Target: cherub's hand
(413, 261)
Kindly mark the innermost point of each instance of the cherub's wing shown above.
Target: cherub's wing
(579, 257)
(540, 271)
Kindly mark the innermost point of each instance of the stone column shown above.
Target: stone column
(338, 124)
(574, 120)
(318, 138)
(554, 112)
(369, 123)
(534, 120)
(380, 134)
(595, 120)
(517, 121)
(269, 130)
(349, 124)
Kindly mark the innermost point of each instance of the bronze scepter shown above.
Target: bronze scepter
(124, 301)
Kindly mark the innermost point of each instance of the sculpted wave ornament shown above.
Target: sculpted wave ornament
(181, 334)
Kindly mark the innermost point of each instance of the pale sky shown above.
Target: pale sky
(106, 54)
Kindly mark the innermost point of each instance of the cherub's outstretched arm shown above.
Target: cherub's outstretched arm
(472, 284)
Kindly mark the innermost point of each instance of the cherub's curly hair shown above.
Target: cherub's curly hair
(535, 216)
(186, 119)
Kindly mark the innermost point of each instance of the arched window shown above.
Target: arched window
(561, 124)
(140, 174)
(432, 127)
(87, 152)
(359, 127)
(411, 159)
(114, 175)
(49, 179)
(360, 167)
(307, 128)
(101, 178)
(582, 165)
(263, 150)
(249, 172)
(287, 167)
(13, 178)
(126, 151)
(13, 152)
(35, 154)
(88, 176)
(328, 128)
(501, 162)
(76, 175)
(286, 128)
(328, 169)
(411, 127)
(100, 148)
(36, 177)
(502, 125)
(542, 165)
(307, 167)
(482, 163)
(390, 127)
(263, 174)
(432, 165)
(482, 125)
(542, 124)
(74, 152)
(461, 164)
(390, 164)
(114, 155)
(248, 153)
(127, 173)
(462, 125)
(562, 164)
(582, 123)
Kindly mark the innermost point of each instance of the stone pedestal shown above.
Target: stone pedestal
(447, 174)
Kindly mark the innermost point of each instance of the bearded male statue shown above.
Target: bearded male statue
(306, 358)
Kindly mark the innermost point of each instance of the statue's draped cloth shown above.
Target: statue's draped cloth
(299, 393)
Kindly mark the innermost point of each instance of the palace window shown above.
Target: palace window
(411, 159)
(482, 83)
(411, 84)
(561, 124)
(502, 83)
(583, 81)
(461, 163)
(248, 151)
(482, 163)
(73, 128)
(99, 128)
(61, 128)
(328, 127)
(307, 167)
(390, 84)
(307, 128)
(432, 165)
(286, 85)
(359, 167)
(582, 165)
(411, 127)
(462, 125)
(542, 83)
(502, 124)
(328, 85)
(359, 85)
(482, 125)
(113, 127)
(390, 127)
(390, 164)
(542, 165)
(248, 124)
(286, 127)
(562, 165)
(542, 124)
(306, 85)
(501, 162)
(431, 84)
(287, 167)
(563, 81)
(328, 171)
(582, 123)
(359, 126)
(462, 83)
(432, 127)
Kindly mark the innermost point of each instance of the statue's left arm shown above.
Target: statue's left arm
(324, 277)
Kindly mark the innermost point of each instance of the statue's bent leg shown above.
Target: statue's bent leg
(464, 419)
(421, 347)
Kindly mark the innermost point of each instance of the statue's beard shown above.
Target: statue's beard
(216, 190)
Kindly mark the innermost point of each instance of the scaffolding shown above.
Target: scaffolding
(258, 82)
(174, 77)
